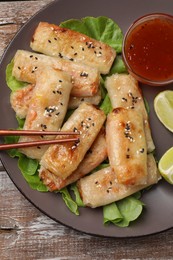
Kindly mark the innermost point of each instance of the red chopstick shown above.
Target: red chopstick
(36, 143)
(33, 132)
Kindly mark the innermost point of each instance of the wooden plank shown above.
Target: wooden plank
(27, 234)
(13, 15)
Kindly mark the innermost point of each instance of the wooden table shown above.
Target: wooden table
(25, 233)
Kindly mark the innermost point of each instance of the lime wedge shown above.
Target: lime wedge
(163, 105)
(166, 166)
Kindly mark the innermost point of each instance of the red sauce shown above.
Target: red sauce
(149, 49)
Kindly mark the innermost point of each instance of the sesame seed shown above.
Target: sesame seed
(75, 129)
(90, 45)
(73, 147)
(43, 126)
(84, 74)
(60, 55)
(124, 99)
(142, 150)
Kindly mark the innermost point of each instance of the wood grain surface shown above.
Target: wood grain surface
(25, 233)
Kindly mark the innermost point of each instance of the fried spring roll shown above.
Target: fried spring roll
(124, 92)
(85, 79)
(126, 144)
(47, 108)
(53, 40)
(94, 156)
(20, 100)
(74, 102)
(63, 159)
(102, 187)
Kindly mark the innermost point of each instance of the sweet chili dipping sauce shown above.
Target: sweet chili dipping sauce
(148, 49)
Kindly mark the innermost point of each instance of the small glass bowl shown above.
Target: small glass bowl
(134, 25)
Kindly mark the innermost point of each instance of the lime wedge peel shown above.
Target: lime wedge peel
(163, 106)
(165, 166)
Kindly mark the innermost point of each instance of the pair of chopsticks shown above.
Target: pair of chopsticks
(36, 143)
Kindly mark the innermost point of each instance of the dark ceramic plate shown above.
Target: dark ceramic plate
(157, 215)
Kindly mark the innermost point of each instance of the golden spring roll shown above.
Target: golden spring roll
(53, 40)
(102, 187)
(94, 156)
(47, 108)
(63, 159)
(74, 102)
(20, 100)
(126, 145)
(124, 92)
(85, 79)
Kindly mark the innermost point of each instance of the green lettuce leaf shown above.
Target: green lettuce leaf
(101, 28)
(78, 199)
(20, 122)
(137, 195)
(10, 140)
(70, 203)
(130, 208)
(111, 214)
(106, 105)
(102, 88)
(124, 211)
(12, 82)
(27, 166)
(146, 105)
(118, 66)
